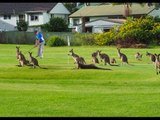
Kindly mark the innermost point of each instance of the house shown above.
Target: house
(34, 13)
(79, 19)
(100, 25)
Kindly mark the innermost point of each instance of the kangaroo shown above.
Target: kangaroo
(123, 57)
(157, 63)
(22, 59)
(75, 56)
(106, 58)
(17, 52)
(113, 60)
(94, 57)
(34, 61)
(152, 56)
(138, 56)
(88, 66)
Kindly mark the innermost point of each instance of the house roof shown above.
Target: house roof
(6, 26)
(101, 23)
(110, 10)
(11, 8)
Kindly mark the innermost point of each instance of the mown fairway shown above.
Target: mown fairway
(64, 91)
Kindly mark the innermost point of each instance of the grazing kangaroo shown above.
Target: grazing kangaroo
(75, 56)
(152, 56)
(22, 59)
(106, 58)
(94, 57)
(123, 57)
(34, 61)
(113, 60)
(138, 56)
(157, 63)
(88, 66)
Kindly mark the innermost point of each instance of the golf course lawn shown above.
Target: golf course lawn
(64, 91)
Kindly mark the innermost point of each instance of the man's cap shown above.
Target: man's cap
(35, 31)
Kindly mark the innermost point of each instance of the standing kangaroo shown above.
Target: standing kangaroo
(122, 56)
(106, 58)
(157, 63)
(138, 56)
(22, 59)
(75, 56)
(17, 52)
(152, 56)
(88, 66)
(34, 61)
(94, 57)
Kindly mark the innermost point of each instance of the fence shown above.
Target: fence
(17, 37)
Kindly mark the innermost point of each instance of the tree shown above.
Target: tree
(56, 24)
(71, 7)
(127, 8)
(22, 25)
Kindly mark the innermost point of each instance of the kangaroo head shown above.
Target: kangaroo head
(118, 49)
(30, 53)
(148, 54)
(99, 51)
(17, 48)
(155, 55)
(71, 50)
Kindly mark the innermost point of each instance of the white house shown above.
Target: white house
(33, 13)
(92, 14)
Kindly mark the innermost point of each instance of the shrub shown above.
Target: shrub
(55, 41)
(106, 38)
(56, 24)
(22, 25)
(83, 39)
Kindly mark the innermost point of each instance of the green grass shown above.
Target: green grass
(64, 91)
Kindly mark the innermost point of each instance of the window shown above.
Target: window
(7, 17)
(34, 17)
(75, 22)
(21, 17)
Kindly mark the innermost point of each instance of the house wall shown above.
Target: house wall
(60, 11)
(46, 17)
(12, 21)
(40, 19)
(97, 30)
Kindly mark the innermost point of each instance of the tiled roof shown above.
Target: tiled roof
(108, 10)
(11, 8)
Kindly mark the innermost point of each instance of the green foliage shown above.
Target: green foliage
(56, 24)
(22, 25)
(133, 31)
(55, 41)
(71, 7)
(104, 38)
(83, 39)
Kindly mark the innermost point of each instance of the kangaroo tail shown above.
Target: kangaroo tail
(42, 67)
(113, 65)
(104, 68)
(130, 64)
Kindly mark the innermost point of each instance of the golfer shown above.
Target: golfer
(40, 42)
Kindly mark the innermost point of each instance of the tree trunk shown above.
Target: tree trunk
(83, 24)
